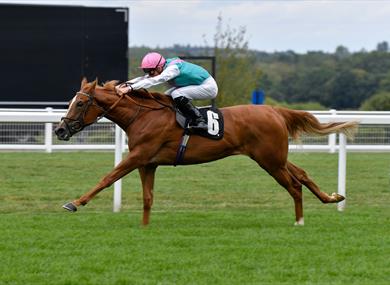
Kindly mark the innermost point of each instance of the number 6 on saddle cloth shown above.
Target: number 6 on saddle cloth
(214, 119)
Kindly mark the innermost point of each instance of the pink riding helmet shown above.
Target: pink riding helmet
(152, 60)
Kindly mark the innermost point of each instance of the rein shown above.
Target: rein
(109, 109)
(140, 106)
(154, 99)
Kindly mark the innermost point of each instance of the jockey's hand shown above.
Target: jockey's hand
(123, 88)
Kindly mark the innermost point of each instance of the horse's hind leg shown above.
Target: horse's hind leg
(294, 187)
(274, 161)
(301, 175)
(147, 179)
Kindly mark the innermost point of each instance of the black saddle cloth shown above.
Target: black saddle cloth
(214, 119)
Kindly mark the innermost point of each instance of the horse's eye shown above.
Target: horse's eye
(80, 104)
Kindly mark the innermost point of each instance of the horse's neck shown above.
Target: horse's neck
(127, 109)
(106, 99)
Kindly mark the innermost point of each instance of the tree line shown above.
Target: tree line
(339, 80)
(315, 80)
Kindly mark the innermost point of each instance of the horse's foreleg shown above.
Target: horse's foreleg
(301, 175)
(147, 178)
(124, 167)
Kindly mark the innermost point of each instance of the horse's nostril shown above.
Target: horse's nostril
(62, 133)
(59, 131)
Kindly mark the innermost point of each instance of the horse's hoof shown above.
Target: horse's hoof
(300, 222)
(70, 207)
(337, 197)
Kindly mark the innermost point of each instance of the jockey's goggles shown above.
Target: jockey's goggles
(148, 70)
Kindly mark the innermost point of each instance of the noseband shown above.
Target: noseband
(76, 125)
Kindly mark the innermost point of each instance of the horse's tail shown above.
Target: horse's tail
(299, 122)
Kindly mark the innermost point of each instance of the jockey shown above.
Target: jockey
(188, 81)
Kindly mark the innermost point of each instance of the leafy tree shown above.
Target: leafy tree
(264, 82)
(297, 106)
(342, 52)
(349, 88)
(236, 75)
(377, 63)
(384, 83)
(382, 47)
(311, 84)
(378, 102)
(288, 87)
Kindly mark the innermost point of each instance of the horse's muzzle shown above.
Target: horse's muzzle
(62, 133)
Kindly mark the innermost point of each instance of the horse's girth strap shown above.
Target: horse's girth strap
(182, 148)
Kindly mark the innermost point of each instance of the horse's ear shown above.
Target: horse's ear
(94, 83)
(83, 82)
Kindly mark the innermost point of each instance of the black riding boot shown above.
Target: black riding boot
(191, 112)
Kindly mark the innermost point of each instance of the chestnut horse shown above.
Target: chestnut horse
(258, 131)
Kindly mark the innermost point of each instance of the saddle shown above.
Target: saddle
(214, 119)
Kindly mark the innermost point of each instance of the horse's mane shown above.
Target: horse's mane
(109, 85)
(141, 93)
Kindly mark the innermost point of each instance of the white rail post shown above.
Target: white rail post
(49, 133)
(118, 159)
(332, 137)
(123, 141)
(342, 170)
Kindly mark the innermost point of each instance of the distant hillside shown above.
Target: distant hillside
(341, 80)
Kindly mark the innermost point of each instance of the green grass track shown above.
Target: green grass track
(226, 222)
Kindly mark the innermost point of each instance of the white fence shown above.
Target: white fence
(32, 129)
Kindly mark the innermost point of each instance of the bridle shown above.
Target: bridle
(76, 125)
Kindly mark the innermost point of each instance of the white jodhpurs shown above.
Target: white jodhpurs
(207, 90)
